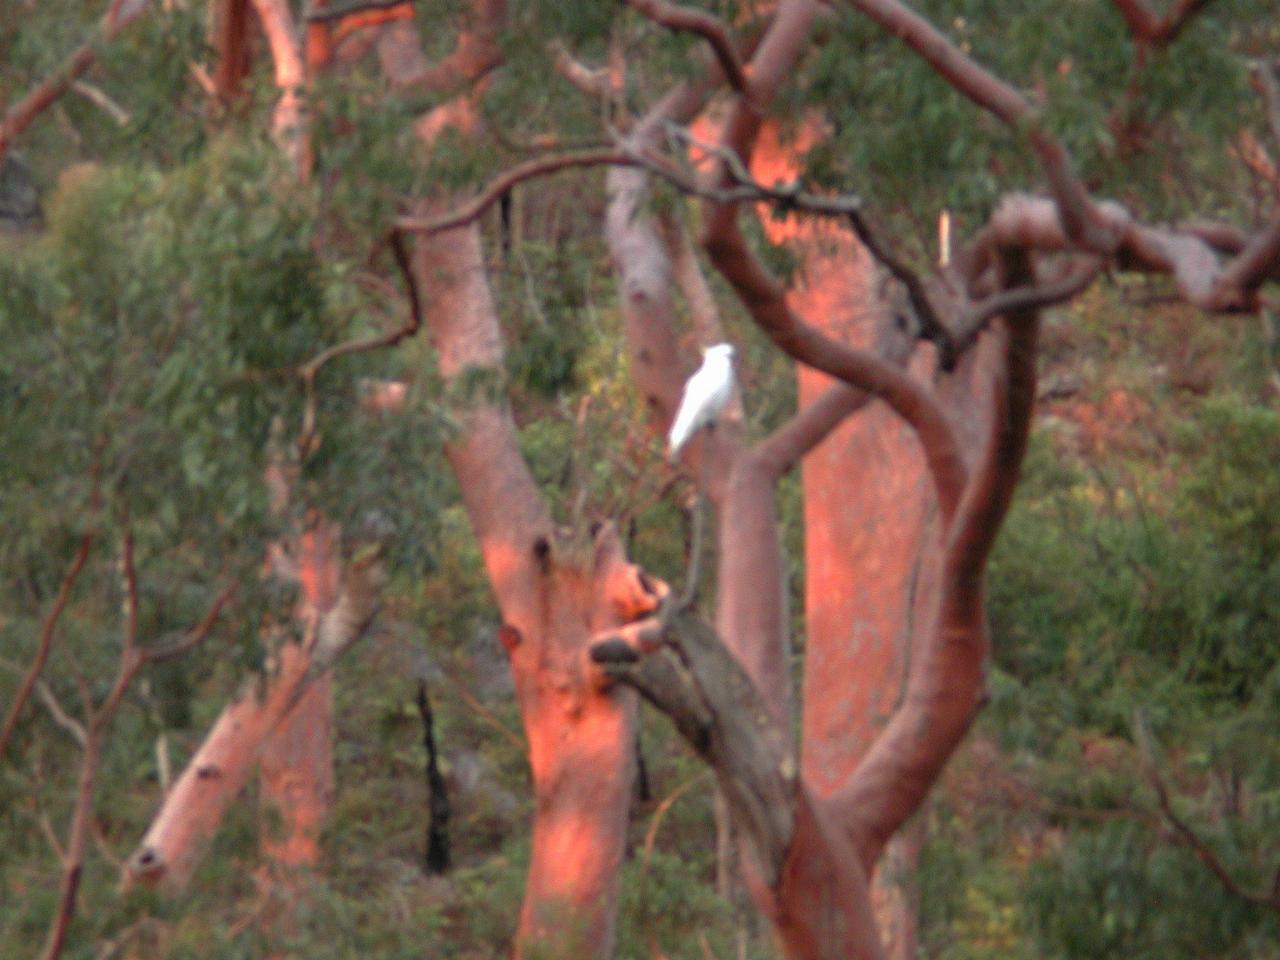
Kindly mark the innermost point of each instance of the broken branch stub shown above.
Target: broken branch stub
(694, 679)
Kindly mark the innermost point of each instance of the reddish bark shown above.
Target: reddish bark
(296, 776)
(230, 36)
(289, 125)
(867, 501)
(246, 728)
(77, 63)
(555, 593)
(824, 910)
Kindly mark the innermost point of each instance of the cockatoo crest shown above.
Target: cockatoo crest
(705, 396)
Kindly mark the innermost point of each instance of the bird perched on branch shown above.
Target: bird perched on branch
(705, 396)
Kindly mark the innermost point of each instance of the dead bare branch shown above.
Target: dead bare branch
(692, 677)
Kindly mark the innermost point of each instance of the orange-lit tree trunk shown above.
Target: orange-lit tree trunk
(295, 763)
(335, 608)
(867, 506)
(740, 479)
(809, 853)
(554, 590)
(229, 36)
(554, 593)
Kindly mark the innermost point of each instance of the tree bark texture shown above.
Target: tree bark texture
(555, 592)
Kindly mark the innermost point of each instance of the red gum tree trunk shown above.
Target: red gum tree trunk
(810, 865)
(867, 507)
(553, 597)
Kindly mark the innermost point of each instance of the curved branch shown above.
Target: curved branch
(766, 303)
(708, 26)
(1079, 213)
(1188, 254)
(974, 319)
(1187, 835)
(470, 211)
(411, 325)
(788, 444)
(932, 327)
(945, 682)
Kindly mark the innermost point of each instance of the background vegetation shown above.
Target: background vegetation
(149, 325)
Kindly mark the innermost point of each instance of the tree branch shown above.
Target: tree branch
(974, 319)
(289, 124)
(1188, 254)
(593, 81)
(706, 25)
(1185, 833)
(196, 635)
(1080, 217)
(20, 116)
(692, 677)
(1151, 30)
(947, 669)
(932, 327)
(47, 628)
(60, 716)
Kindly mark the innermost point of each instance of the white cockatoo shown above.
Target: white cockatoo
(705, 396)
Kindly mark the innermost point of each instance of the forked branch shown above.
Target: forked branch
(1187, 835)
(711, 28)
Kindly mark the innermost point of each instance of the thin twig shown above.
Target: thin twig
(51, 836)
(20, 116)
(745, 189)
(395, 239)
(931, 325)
(45, 643)
(411, 325)
(60, 716)
(129, 578)
(196, 634)
(99, 99)
(1186, 834)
